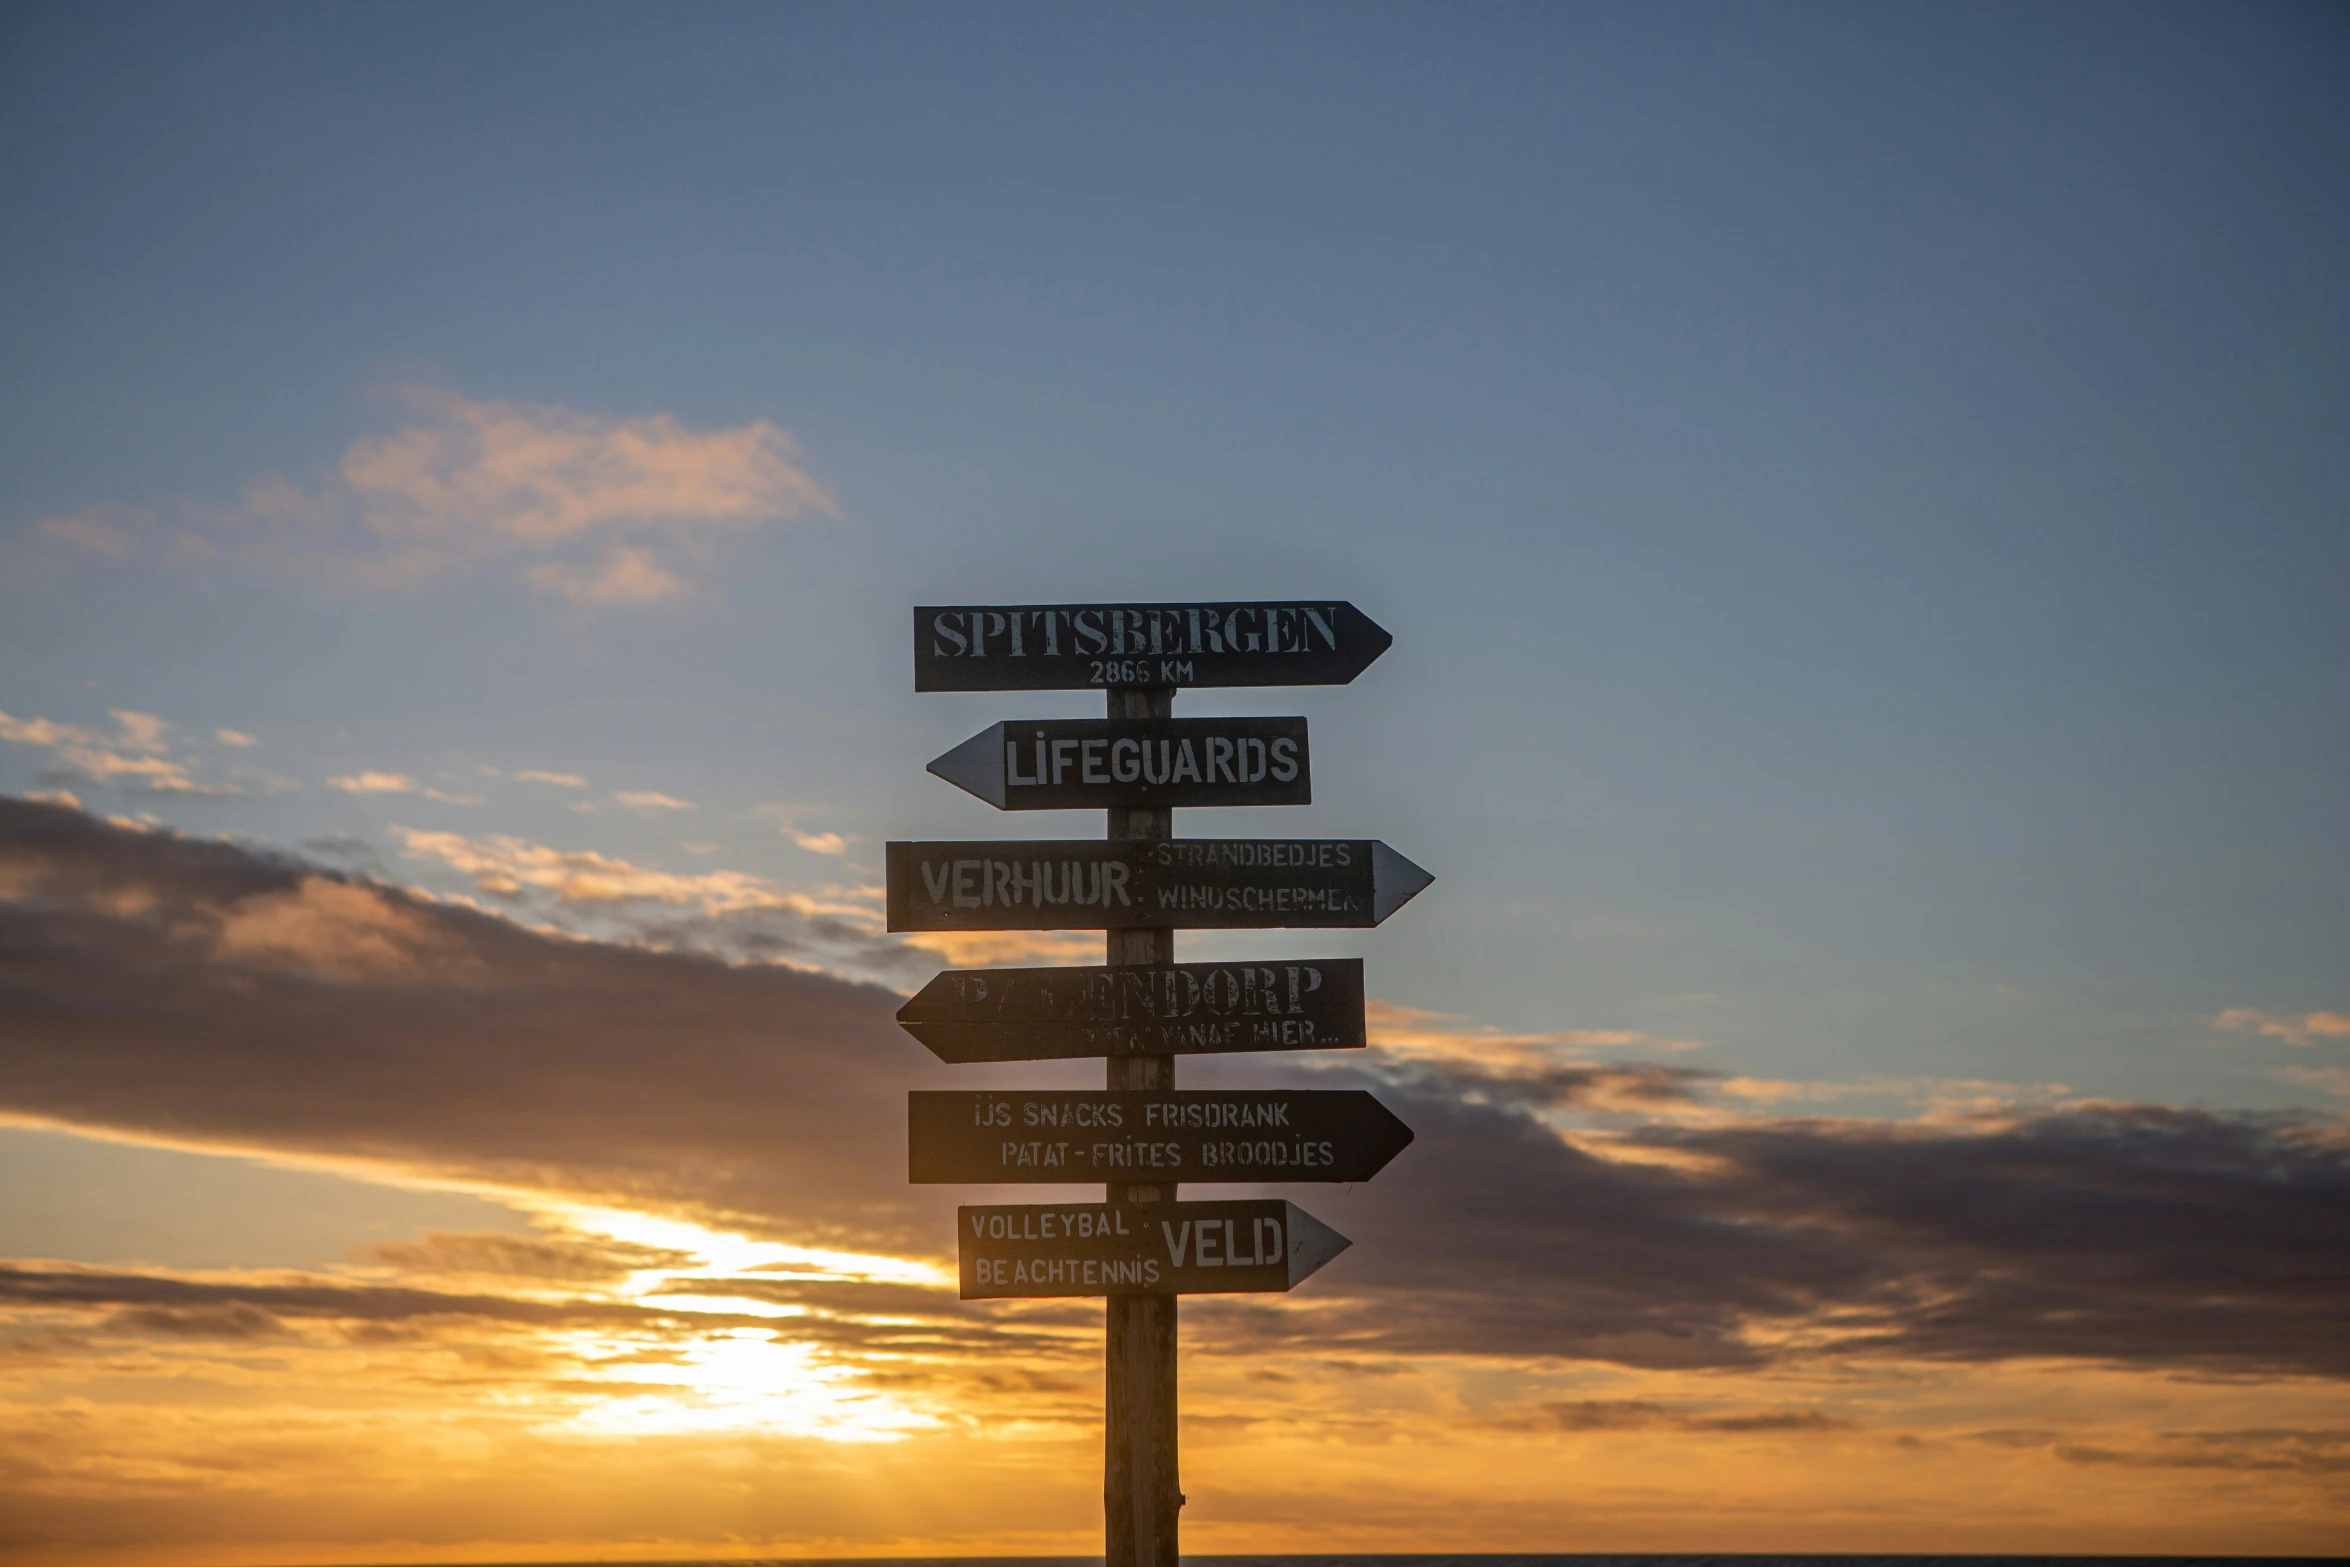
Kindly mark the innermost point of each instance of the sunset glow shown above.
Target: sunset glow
(564, 566)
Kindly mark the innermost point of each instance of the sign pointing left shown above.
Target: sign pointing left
(1093, 763)
(1039, 1014)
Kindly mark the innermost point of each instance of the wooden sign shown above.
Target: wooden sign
(1176, 883)
(1157, 1248)
(1042, 1014)
(1069, 647)
(1285, 1134)
(1091, 763)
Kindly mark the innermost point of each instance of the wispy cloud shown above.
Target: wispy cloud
(600, 511)
(786, 820)
(374, 783)
(234, 737)
(651, 800)
(504, 866)
(541, 776)
(2302, 1029)
(134, 755)
(396, 783)
(95, 530)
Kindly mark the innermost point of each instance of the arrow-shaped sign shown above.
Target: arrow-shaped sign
(1175, 883)
(1086, 763)
(1168, 1009)
(1156, 1248)
(1069, 647)
(1286, 1134)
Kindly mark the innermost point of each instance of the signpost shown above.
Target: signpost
(1156, 1248)
(1141, 1248)
(1074, 647)
(1283, 1134)
(1040, 1014)
(1172, 884)
(1077, 763)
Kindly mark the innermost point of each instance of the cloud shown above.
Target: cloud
(539, 475)
(830, 843)
(1413, 1033)
(1642, 1415)
(2302, 1030)
(354, 1020)
(374, 783)
(599, 511)
(396, 783)
(565, 1259)
(133, 754)
(651, 800)
(331, 929)
(141, 731)
(162, 986)
(2259, 1450)
(43, 732)
(169, 1304)
(558, 780)
(234, 737)
(623, 576)
(2328, 1079)
(91, 530)
(504, 866)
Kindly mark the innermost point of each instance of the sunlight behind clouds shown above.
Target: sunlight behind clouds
(748, 1380)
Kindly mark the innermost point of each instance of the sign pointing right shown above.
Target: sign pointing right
(1167, 884)
(1048, 1136)
(1253, 1246)
(1069, 647)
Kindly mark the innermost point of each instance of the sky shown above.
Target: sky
(1860, 499)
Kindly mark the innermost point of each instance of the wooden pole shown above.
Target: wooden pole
(1140, 1495)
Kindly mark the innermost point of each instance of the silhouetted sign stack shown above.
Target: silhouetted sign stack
(1140, 1136)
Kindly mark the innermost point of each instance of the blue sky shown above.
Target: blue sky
(1859, 493)
(1859, 499)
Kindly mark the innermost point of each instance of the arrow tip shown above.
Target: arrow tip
(977, 765)
(1311, 1243)
(1395, 881)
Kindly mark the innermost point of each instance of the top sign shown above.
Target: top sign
(1068, 647)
